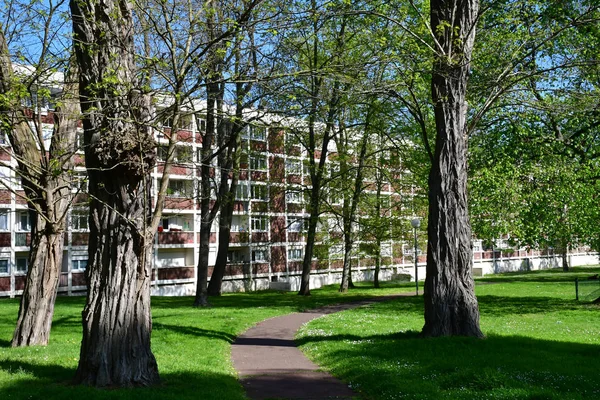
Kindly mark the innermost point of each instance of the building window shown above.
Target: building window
(21, 264)
(295, 254)
(258, 162)
(296, 225)
(79, 220)
(260, 255)
(80, 182)
(23, 224)
(4, 220)
(79, 265)
(258, 192)
(294, 196)
(241, 192)
(258, 132)
(259, 224)
(235, 257)
(180, 188)
(293, 167)
(201, 124)
(3, 138)
(79, 143)
(4, 266)
(336, 251)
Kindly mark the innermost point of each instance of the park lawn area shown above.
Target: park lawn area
(540, 344)
(192, 346)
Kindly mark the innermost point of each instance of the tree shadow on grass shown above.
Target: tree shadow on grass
(32, 381)
(194, 331)
(5, 343)
(492, 305)
(516, 367)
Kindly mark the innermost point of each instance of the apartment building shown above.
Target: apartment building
(267, 234)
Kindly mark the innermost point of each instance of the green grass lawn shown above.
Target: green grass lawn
(540, 344)
(192, 346)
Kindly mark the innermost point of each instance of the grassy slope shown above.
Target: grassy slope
(192, 346)
(541, 344)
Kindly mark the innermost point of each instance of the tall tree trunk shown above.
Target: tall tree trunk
(119, 155)
(115, 350)
(450, 304)
(206, 213)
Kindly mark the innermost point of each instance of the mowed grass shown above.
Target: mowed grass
(192, 346)
(540, 344)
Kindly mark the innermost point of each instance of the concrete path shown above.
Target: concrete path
(270, 366)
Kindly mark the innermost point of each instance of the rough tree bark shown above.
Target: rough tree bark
(47, 187)
(450, 304)
(119, 155)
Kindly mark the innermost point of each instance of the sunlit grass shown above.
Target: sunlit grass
(541, 344)
(192, 346)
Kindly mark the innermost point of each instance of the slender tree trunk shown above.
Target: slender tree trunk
(119, 155)
(308, 251)
(565, 258)
(347, 263)
(225, 218)
(450, 304)
(37, 302)
(377, 265)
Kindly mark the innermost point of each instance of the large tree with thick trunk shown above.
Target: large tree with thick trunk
(450, 304)
(45, 177)
(119, 155)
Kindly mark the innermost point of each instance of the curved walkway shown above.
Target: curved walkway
(270, 366)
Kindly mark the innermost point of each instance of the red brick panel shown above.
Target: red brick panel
(179, 203)
(278, 226)
(294, 208)
(20, 197)
(5, 239)
(295, 266)
(259, 176)
(277, 196)
(238, 237)
(5, 153)
(258, 146)
(4, 196)
(337, 264)
(294, 179)
(278, 258)
(275, 138)
(175, 237)
(175, 273)
(260, 237)
(234, 269)
(5, 284)
(294, 237)
(78, 279)
(20, 282)
(277, 170)
(176, 170)
(80, 239)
